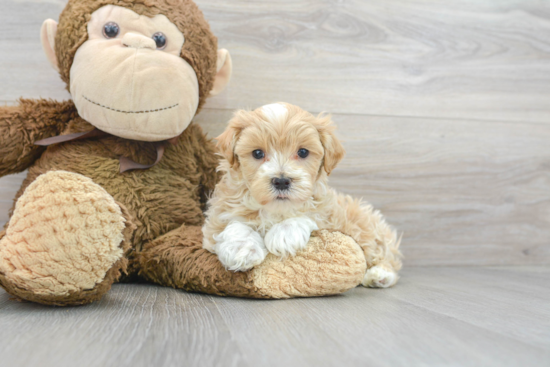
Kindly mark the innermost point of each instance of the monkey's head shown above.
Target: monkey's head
(140, 69)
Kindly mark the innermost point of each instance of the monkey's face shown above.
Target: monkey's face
(128, 78)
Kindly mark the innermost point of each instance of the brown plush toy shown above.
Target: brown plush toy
(118, 177)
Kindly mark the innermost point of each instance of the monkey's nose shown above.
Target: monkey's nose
(280, 183)
(135, 40)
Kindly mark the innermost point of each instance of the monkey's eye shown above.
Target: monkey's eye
(303, 153)
(258, 154)
(160, 40)
(111, 30)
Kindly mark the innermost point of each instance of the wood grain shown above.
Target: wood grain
(462, 59)
(434, 316)
(133, 325)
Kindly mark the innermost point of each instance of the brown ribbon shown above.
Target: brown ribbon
(126, 164)
(70, 137)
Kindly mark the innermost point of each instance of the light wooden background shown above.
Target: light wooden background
(444, 107)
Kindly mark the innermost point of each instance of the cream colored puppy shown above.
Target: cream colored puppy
(274, 192)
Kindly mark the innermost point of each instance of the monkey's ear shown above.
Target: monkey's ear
(47, 37)
(224, 69)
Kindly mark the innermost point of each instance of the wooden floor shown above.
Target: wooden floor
(468, 316)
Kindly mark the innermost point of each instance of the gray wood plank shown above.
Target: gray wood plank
(486, 298)
(433, 317)
(367, 327)
(140, 325)
(462, 192)
(458, 59)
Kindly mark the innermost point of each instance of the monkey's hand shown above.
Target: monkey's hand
(24, 124)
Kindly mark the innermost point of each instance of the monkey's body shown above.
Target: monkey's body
(78, 222)
(160, 198)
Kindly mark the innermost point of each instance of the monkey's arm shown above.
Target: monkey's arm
(26, 123)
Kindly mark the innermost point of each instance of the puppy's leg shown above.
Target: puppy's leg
(239, 247)
(377, 239)
(290, 235)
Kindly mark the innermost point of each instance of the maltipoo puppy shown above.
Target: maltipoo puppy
(274, 192)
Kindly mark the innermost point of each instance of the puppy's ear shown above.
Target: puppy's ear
(334, 151)
(228, 139)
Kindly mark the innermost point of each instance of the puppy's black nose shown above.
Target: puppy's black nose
(281, 183)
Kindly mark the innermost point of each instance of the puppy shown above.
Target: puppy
(274, 192)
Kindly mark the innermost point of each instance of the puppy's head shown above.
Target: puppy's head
(280, 151)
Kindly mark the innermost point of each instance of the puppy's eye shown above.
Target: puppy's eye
(258, 154)
(111, 30)
(303, 153)
(160, 40)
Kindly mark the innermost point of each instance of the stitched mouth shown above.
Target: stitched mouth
(131, 112)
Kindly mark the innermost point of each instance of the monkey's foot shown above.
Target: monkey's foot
(331, 263)
(64, 243)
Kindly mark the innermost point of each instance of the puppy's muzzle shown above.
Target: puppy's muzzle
(281, 183)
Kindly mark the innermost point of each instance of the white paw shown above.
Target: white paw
(240, 255)
(289, 236)
(240, 248)
(379, 277)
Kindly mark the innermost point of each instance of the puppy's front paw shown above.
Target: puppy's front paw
(379, 277)
(239, 247)
(241, 255)
(289, 236)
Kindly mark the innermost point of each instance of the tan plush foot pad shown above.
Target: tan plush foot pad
(331, 264)
(63, 242)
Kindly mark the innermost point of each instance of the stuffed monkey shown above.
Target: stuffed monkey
(118, 176)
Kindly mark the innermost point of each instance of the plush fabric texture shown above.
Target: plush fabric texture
(64, 236)
(22, 125)
(178, 260)
(199, 49)
(159, 199)
(331, 263)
